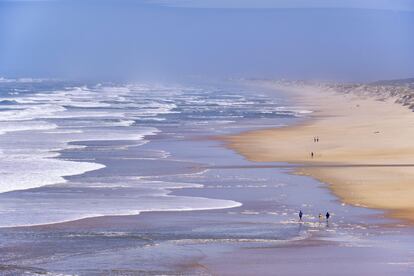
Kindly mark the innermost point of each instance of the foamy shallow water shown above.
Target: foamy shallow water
(108, 151)
(41, 119)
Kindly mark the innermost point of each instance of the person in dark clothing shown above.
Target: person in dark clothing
(300, 215)
(327, 216)
(312, 154)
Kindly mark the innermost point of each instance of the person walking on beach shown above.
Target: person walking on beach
(320, 217)
(311, 154)
(317, 139)
(300, 215)
(327, 216)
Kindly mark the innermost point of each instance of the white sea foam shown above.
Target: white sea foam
(103, 135)
(30, 112)
(36, 126)
(20, 172)
(77, 203)
(11, 126)
(87, 104)
(27, 163)
(292, 109)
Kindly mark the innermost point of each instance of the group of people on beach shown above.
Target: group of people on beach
(315, 140)
(327, 216)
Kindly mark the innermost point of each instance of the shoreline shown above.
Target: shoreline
(364, 151)
(250, 239)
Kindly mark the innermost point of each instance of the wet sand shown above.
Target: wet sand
(260, 237)
(366, 144)
(187, 243)
(238, 241)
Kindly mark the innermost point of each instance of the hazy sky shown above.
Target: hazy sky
(297, 39)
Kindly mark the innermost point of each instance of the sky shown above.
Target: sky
(342, 40)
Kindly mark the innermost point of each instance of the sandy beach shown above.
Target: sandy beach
(176, 201)
(207, 137)
(365, 151)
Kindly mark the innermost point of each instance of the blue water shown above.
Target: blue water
(74, 150)
(53, 131)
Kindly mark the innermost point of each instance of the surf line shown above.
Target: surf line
(305, 166)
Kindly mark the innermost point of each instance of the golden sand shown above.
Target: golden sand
(376, 135)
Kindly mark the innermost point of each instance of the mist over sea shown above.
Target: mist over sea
(104, 178)
(54, 131)
(140, 137)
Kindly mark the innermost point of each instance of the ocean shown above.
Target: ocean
(53, 131)
(131, 179)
